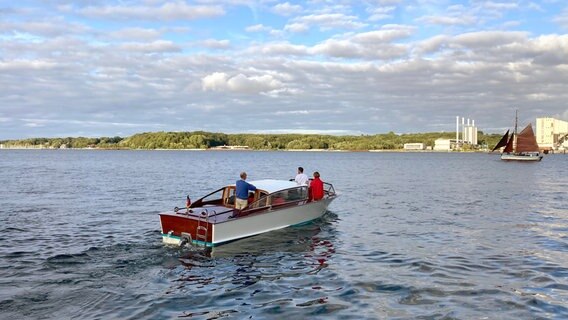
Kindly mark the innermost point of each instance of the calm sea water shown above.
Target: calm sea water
(412, 236)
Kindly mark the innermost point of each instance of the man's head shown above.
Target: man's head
(300, 170)
(243, 175)
(316, 174)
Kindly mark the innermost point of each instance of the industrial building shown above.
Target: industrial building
(445, 144)
(468, 137)
(552, 134)
(414, 146)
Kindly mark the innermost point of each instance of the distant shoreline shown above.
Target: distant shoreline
(249, 150)
(271, 150)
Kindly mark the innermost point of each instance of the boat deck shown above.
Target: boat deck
(213, 213)
(219, 214)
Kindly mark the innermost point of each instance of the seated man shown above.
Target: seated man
(316, 188)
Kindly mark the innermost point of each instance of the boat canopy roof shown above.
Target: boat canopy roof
(272, 185)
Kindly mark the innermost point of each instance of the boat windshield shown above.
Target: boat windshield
(214, 198)
(299, 193)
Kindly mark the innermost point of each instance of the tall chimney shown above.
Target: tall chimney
(457, 129)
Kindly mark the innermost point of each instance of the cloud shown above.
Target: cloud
(24, 64)
(550, 50)
(376, 44)
(448, 21)
(240, 83)
(43, 28)
(334, 132)
(301, 112)
(44, 122)
(216, 44)
(489, 38)
(154, 66)
(380, 13)
(257, 28)
(167, 11)
(562, 19)
(286, 9)
(297, 27)
(387, 34)
(325, 21)
(281, 48)
(158, 46)
(142, 34)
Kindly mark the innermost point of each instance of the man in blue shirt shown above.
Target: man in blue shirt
(241, 192)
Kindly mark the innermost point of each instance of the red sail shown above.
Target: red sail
(509, 146)
(502, 142)
(526, 141)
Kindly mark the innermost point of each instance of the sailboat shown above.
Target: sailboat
(521, 146)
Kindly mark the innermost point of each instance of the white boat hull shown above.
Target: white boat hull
(256, 224)
(512, 157)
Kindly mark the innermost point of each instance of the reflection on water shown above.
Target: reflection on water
(429, 236)
(254, 271)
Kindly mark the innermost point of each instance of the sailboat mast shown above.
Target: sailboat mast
(515, 133)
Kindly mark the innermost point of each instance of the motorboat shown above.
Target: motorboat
(213, 220)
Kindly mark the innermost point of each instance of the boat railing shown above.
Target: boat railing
(328, 189)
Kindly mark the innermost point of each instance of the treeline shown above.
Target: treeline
(206, 140)
(69, 142)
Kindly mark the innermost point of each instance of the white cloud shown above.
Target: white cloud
(338, 48)
(22, 64)
(282, 48)
(380, 13)
(335, 132)
(240, 83)
(300, 112)
(448, 21)
(160, 46)
(167, 11)
(297, 27)
(286, 9)
(562, 19)
(143, 69)
(136, 34)
(539, 97)
(489, 38)
(325, 21)
(257, 28)
(499, 6)
(385, 35)
(215, 82)
(216, 44)
(432, 44)
(45, 28)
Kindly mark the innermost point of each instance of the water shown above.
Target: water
(412, 236)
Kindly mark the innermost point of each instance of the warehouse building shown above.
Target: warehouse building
(551, 134)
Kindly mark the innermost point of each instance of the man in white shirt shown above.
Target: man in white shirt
(301, 178)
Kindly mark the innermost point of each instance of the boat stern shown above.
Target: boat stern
(180, 228)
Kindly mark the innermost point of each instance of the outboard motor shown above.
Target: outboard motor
(185, 239)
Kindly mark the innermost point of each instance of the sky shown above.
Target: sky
(115, 68)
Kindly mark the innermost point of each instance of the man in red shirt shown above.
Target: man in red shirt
(316, 187)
